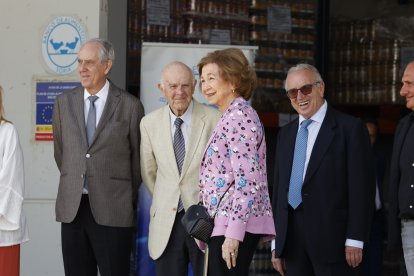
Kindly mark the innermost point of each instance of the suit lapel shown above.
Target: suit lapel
(114, 96)
(78, 105)
(289, 149)
(322, 143)
(197, 126)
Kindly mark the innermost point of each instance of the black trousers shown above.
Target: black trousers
(216, 264)
(372, 260)
(181, 251)
(297, 257)
(87, 246)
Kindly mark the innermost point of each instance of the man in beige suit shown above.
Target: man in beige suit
(174, 185)
(96, 143)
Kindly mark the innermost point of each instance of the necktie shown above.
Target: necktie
(90, 126)
(91, 120)
(179, 151)
(299, 158)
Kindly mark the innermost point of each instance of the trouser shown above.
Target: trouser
(298, 257)
(407, 237)
(10, 260)
(87, 246)
(180, 251)
(216, 264)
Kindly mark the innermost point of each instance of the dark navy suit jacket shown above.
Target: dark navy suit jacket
(338, 190)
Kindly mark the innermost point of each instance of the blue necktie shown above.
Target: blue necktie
(299, 158)
(179, 151)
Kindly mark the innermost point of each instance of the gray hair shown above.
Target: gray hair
(308, 67)
(106, 52)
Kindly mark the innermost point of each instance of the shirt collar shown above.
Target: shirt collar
(186, 117)
(102, 94)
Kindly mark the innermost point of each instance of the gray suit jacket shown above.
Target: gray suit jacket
(110, 163)
(159, 169)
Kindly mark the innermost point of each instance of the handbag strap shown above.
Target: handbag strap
(215, 213)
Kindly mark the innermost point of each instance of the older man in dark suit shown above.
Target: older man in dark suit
(96, 142)
(324, 184)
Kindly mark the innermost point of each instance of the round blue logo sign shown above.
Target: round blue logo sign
(61, 42)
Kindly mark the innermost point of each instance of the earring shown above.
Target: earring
(233, 90)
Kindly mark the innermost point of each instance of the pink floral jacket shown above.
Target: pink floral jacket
(236, 154)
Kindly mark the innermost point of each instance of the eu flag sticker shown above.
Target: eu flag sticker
(44, 114)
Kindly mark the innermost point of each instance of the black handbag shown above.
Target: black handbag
(197, 221)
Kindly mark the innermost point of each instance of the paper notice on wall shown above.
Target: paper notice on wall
(219, 36)
(279, 19)
(158, 12)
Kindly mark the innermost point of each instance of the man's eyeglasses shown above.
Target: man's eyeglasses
(305, 90)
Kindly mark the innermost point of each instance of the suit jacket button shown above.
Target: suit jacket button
(305, 194)
(88, 155)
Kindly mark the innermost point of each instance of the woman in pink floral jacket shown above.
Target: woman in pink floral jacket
(234, 161)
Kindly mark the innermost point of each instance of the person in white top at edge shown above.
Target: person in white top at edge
(13, 230)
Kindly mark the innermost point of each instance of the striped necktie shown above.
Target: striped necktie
(179, 151)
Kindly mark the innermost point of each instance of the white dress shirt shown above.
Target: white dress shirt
(99, 103)
(185, 126)
(99, 107)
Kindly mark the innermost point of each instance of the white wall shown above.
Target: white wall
(117, 34)
(22, 23)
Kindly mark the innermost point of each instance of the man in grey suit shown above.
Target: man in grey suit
(174, 185)
(96, 148)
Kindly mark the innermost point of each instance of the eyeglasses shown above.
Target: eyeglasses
(305, 90)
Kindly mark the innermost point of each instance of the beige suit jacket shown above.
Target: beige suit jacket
(159, 169)
(110, 163)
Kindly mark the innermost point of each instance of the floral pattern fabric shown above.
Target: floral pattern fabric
(236, 154)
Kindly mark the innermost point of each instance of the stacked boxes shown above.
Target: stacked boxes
(364, 63)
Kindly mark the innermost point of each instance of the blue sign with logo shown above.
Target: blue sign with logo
(61, 42)
(46, 93)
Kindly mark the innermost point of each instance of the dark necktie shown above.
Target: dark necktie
(179, 151)
(299, 158)
(91, 120)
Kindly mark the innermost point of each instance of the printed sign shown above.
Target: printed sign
(218, 36)
(158, 12)
(279, 19)
(46, 93)
(61, 42)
